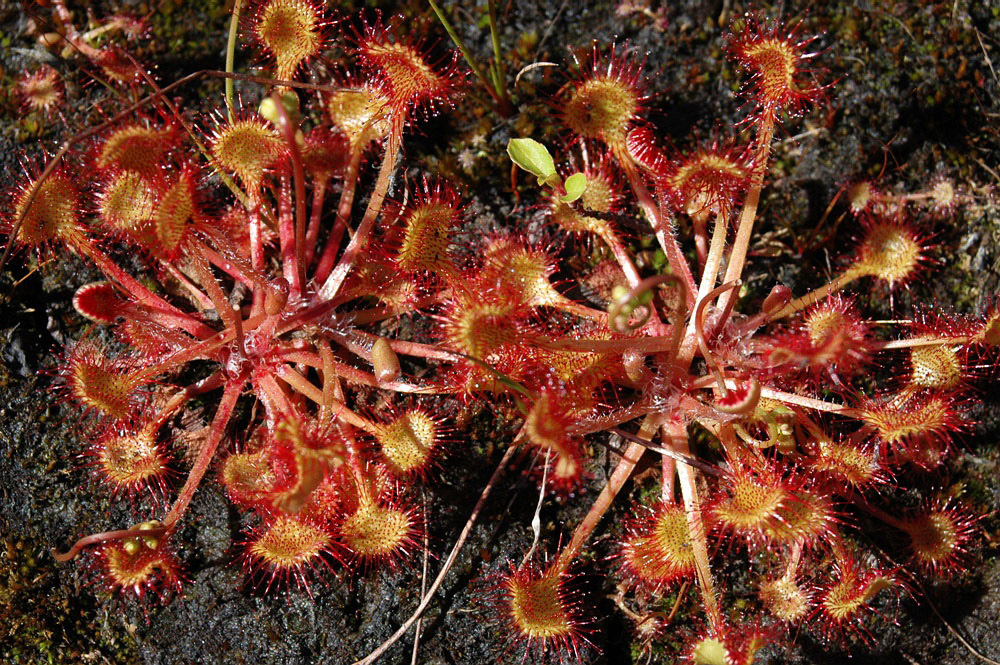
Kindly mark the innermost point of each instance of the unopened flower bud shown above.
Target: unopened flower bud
(779, 296)
(276, 296)
(385, 361)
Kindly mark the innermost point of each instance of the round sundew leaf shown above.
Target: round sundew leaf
(41, 91)
(98, 302)
(429, 223)
(53, 215)
(325, 154)
(360, 113)
(936, 367)
(408, 442)
(247, 148)
(658, 549)
(100, 384)
(538, 606)
(139, 565)
(900, 418)
(247, 477)
(710, 651)
(376, 532)
(409, 80)
(173, 215)
(891, 252)
(708, 180)
(289, 29)
(130, 460)
(289, 542)
(601, 108)
(127, 202)
(785, 598)
(136, 148)
(991, 332)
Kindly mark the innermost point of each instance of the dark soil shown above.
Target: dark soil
(914, 96)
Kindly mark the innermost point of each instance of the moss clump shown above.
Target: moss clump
(42, 620)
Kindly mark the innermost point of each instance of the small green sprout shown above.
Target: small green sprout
(534, 158)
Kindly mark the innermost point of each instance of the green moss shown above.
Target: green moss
(188, 30)
(42, 620)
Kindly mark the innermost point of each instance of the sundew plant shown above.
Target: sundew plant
(292, 308)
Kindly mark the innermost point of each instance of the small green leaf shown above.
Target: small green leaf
(534, 158)
(575, 186)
